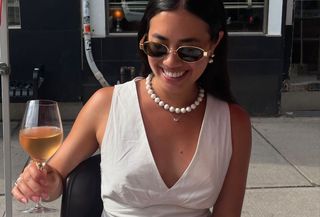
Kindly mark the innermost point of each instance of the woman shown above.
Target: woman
(173, 144)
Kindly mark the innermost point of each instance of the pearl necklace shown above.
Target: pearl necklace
(168, 107)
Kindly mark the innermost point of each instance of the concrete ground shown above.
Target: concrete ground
(284, 173)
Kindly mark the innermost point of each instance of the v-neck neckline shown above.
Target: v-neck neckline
(149, 152)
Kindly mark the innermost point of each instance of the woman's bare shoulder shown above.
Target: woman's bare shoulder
(102, 95)
(239, 116)
(97, 106)
(100, 99)
(240, 125)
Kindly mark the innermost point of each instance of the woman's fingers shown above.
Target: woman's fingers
(31, 184)
(17, 193)
(22, 191)
(38, 181)
(37, 175)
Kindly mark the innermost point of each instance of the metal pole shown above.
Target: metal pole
(4, 71)
(301, 33)
(319, 57)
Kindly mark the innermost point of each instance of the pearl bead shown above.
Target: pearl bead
(157, 99)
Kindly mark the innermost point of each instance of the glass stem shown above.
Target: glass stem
(38, 204)
(40, 165)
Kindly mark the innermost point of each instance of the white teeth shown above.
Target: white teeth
(173, 74)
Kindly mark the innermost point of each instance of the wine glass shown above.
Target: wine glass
(40, 136)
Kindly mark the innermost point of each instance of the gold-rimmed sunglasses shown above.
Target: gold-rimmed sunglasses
(186, 53)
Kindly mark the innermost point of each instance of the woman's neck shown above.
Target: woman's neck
(179, 97)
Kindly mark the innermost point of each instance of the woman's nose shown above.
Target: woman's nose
(172, 58)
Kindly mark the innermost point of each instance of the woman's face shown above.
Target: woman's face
(174, 29)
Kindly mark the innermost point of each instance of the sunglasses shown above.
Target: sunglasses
(185, 53)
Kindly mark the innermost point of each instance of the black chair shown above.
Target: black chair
(81, 193)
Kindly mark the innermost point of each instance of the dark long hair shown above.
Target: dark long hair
(215, 78)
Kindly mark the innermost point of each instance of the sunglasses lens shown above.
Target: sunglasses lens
(154, 49)
(190, 54)
(186, 53)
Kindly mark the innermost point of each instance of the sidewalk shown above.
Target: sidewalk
(284, 173)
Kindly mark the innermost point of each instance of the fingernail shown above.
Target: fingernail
(35, 199)
(24, 200)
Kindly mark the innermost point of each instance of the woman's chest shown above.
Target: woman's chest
(173, 146)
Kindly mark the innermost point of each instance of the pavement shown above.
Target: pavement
(284, 172)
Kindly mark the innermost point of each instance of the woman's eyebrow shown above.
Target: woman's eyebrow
(160, 37)
(188, 40)
(185, 40)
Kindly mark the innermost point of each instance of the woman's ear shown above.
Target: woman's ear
(142, 39)
(215, 44)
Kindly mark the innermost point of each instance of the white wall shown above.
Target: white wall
(275, 17)
(98, 18)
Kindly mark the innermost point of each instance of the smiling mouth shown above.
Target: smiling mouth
(173, 74)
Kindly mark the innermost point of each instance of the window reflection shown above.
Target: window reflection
(245, 15)
(242, 15)
(132, 12)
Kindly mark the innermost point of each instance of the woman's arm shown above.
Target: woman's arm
(86, 133)
(229, 202)
(82, 141)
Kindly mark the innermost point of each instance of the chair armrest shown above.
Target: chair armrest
(81, 193)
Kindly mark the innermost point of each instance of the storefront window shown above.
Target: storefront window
(13, 13)
(245, 15)
(125, 15)
(242, 15)
(306, 38)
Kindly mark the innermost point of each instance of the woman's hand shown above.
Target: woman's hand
(33, 184)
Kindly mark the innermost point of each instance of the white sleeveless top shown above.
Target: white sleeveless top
(131, 183)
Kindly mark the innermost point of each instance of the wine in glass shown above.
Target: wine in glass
(40, 136)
